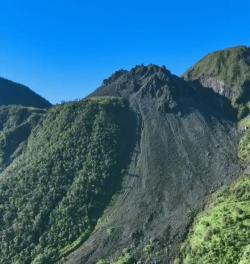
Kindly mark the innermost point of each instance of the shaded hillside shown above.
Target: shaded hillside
(228, 73)
(53, 194)
(12, 93)
(16, 124)
(187, 149)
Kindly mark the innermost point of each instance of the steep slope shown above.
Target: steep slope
(16, 124)
(221, 234)
(52, 195)
(187, 149)
(12, 93)
(228, 73)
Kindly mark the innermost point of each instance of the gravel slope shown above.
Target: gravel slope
(186, 149)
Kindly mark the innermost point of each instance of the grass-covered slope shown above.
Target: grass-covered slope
(227, 72)
(221, 234)
(53, 194)
(16, 124)
(12, 93)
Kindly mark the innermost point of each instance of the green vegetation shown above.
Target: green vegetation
(52, 195)
(125, 258)
(244, 145)
(232, 66)
(221, 234)
(148, 249)
(149, 254)
(16, 124)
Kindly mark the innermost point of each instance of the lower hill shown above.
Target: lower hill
(12, 93)
(16, 124)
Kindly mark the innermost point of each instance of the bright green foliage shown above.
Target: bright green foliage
(221, 234)
(16, 124)
(244, 145)
(232, 66)
(102, 261)
(245, 258)
(53, 194)
(244, 148)
(125, 258)
(148, 249)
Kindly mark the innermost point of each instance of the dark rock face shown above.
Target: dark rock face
(186, 149)
(12, 93)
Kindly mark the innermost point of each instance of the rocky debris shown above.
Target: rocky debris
(211, 82)
(177, 122)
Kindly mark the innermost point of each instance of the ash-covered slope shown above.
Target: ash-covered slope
(186, 149)
(227, 72)
(12, 93)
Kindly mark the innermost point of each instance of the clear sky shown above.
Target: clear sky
(64, 49)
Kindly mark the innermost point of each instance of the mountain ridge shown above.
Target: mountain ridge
(172, 120)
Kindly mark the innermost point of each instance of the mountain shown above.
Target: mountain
(187, 149)
(149, 168)
(12, 93)
(228, 73)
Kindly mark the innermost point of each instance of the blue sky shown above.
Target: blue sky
(64, 49)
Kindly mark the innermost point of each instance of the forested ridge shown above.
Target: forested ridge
(52, 195)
